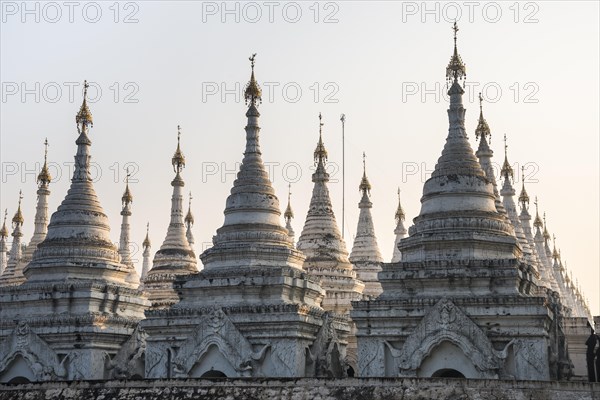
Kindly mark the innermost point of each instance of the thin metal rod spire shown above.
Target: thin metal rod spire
(343, 119)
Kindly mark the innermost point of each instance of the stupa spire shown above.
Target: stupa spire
(508, 192)
(525, 218)
(558, 274)
(543, 251)
(365, 254)
(458, 189)
(175, 256)
(506, 171)
(3, 246)
(146, 254)
(483, 129)
(537, 223)
(322, 243)
(40, 220)
(189, 222)
(124, 238)
(400, 230)
(523, 196)
(289, 214)
(546, 234)
(484, 153)
(16, 253)
(79, 232)
(252, 223)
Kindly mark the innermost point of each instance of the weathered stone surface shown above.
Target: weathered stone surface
(305, 389)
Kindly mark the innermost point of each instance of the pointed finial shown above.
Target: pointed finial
(537, 222)
(365, 185)
(146, 242)
(546, 234)
(178, 159)
(127, 197)
(506, 168)
(320, 152)
(44, 177)
(189, 218)
(400, 216)
(18, 218)
(289, 213)
(555, 254)
(483, 128)
(84, 116)
(456, 69)
(253, 92)
(523, 197)
(4, 230)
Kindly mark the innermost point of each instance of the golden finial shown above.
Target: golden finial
(178, 159)
(506, 168)
(546, 234)
(146, 242)
(253, 92)
(189, 218)
(84, 116)
(18, 218)
(289, 213)
(537, 222)
(400, 216)
(365, 185)
(4, 230)
(44, 177)
(127, 197)
(523, 197)
(555, 254)
(320, 152)
(483, 128)
(456, 68)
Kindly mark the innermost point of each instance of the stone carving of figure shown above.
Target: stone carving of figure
(591, 342)
(598, 359)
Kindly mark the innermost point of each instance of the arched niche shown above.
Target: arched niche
(213, 360)
(447, 358)
(18, 371)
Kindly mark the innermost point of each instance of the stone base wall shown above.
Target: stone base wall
(306, 389)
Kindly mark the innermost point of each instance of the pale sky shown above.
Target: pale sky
(156, 65)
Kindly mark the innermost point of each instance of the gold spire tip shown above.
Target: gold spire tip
(400, 216)
(44, 177)
(252, 92)
(507, 170)
(189, 218)
(127, 196)
(320, 152)
(523, 197)
(289, 213)
(456, 69)
(84, 116)
(178, 159)
(18, 218)
(365, 185)
(146, 242)
(483, 129)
